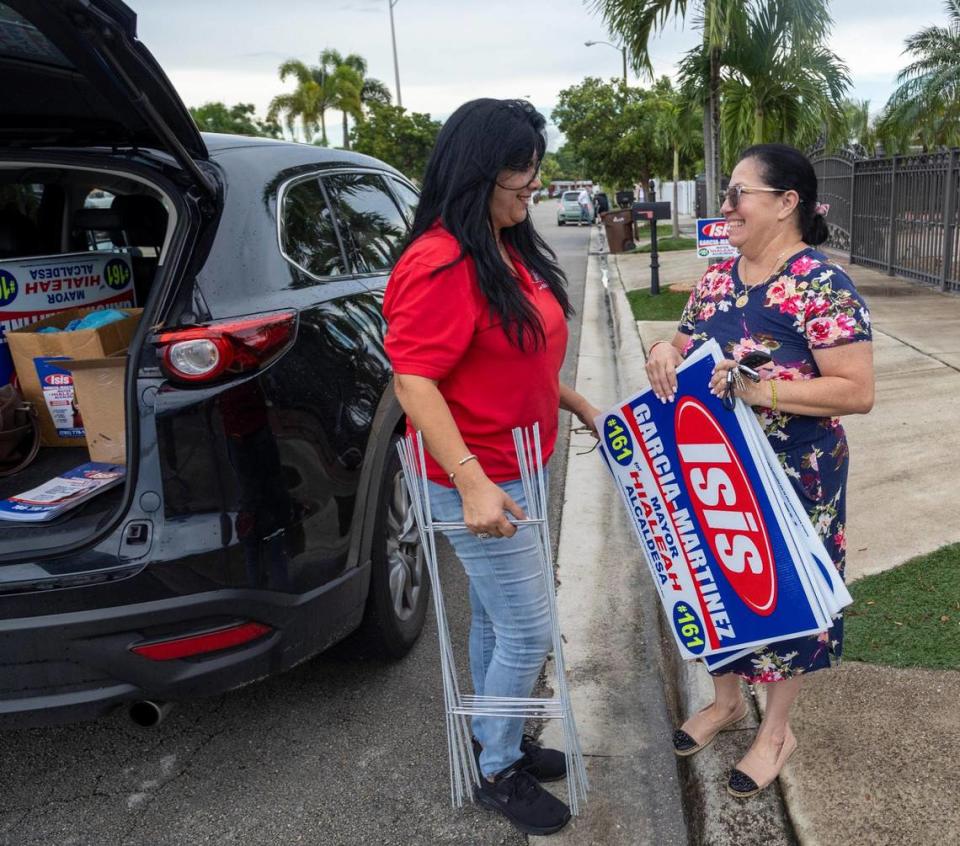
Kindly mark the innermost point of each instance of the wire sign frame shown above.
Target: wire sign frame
(464, 773)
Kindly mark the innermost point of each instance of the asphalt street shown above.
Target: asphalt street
(343, 750)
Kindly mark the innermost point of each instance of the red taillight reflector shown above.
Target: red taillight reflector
(184, 647)
(205, 353)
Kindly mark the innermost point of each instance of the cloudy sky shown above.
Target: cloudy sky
(453, 50)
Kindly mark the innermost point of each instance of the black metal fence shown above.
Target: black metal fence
(899, 214)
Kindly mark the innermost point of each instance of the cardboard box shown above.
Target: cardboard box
(100, 384)
(40, 359)
(34, 288)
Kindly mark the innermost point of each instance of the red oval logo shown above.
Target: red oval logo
(58, 379)
(726, 508)
(715, 230)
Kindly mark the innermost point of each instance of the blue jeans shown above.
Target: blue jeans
(510, 632)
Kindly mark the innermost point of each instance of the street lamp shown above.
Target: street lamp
(623, 50)
(396, 67)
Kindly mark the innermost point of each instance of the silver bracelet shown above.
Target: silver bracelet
(461, 462)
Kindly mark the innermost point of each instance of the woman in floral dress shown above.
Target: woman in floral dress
(782, 296)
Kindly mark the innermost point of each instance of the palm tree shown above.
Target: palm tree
(780, 83)
(635, 21)
(926, 104)
(336, 83)
(677, 125)
(367, 90)
(302, 104)
(861, 130)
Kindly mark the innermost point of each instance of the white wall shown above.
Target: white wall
(686, 195)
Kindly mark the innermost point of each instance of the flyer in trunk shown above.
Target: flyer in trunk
(62, 493)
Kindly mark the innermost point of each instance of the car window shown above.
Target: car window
(308, 237)
(571, 195)
(370, 222)
(101, 239)
(407, 196)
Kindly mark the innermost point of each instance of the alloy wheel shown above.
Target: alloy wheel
(405, 562)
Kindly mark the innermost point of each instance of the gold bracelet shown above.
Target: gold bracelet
(460, 463)
(773, 395)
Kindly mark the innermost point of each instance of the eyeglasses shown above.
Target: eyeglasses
(732, 194)
(532, 174)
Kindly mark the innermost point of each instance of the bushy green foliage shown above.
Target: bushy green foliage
(611, 129)
(398, 137)
(925, 108)
(238, 119)
(562, 164)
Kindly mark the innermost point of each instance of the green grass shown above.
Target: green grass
(667, 305)
(908, 616)
(668, 245)
(664, 230)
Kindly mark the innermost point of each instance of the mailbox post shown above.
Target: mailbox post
(652, 212)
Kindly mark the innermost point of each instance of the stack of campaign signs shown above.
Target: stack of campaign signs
(735, 558)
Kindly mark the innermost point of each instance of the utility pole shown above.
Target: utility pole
(396, 66)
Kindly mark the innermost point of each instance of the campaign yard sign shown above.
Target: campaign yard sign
(32, 289)
(712, 240)
(721, 530)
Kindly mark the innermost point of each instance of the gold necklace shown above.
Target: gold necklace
(744, 298)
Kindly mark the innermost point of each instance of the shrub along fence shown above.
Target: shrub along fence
(898, 213)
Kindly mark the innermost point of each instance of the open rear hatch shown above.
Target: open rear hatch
(77, 79)
(75, 75)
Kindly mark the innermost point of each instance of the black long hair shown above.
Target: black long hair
(783, 166)
(478, 141)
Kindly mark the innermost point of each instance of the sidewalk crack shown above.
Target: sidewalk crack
(953, 367)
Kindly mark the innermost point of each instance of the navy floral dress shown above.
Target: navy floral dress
(809, 304)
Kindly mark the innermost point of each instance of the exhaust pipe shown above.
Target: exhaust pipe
(148, 714)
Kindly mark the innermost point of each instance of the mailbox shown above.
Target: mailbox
(651, 211)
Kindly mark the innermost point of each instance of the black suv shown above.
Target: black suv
(263, 516)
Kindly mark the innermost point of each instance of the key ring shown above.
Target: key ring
(728, 399)
(735, 380)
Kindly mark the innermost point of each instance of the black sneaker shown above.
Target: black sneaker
(543, 764)
(519, 797)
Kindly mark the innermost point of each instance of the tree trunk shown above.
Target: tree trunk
(346, 139)
(713, 187)
(676, 190)
(323, 130)
(707, 160)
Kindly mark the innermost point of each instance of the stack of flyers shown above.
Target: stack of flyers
(53, 498)
(735, 558)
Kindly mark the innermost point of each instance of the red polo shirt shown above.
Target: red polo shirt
(439, 326)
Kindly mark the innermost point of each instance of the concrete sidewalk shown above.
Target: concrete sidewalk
(879, 754)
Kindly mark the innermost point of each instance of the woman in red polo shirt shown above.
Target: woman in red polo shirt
(476, 309)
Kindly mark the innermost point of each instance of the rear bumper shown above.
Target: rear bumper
(68, 667)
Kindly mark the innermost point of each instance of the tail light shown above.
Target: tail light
(201, 644)
(229, 347)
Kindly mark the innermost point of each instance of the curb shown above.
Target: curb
(714, 817)
(612, 640)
